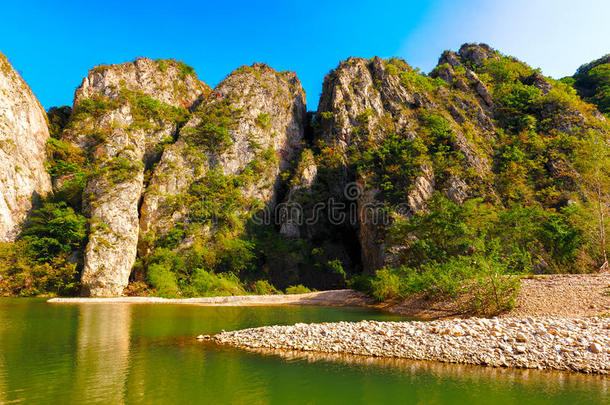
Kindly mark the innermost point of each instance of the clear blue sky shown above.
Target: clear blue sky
(54, 44)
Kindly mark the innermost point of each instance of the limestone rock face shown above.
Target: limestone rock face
(122, 116)
(477, 53)
(23, 137)
(167, 81)
(365, 101)
(402, 136)
(251, 125)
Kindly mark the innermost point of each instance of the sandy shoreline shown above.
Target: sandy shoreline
(581, 345)
(558, 295)
(345, 298)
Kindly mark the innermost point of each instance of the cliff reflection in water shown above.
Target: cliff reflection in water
(102, 360)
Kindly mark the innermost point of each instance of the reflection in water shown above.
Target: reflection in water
(3, 384)
(103, 352)
(3, 387)
(143, 354)
(444, 371)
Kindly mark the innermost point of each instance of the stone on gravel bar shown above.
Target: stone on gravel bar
(538, 343)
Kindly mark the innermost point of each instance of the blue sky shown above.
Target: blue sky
(54, 44)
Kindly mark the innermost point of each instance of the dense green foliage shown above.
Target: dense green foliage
(297, 289)
(93, 107)
(212, 131)
(58, 118)
(173, 274)
(393, 165)
(68, 164)
(593, 83)
(54, 229)
(522, 236)
(39, 262)
(476, 247)
(148, 111)
(21, 274)
(536, 209)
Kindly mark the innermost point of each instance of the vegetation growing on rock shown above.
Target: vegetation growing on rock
(459, 180)
(231, 156)
(592, 81)
(483, 137)
(41, 262)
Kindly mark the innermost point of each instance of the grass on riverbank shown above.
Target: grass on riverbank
(481, 283)
(207, 284)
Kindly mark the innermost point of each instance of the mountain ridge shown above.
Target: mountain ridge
(482, 135)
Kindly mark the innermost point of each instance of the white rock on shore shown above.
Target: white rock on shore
(541, 343)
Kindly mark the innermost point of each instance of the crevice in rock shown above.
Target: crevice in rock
(309, 135)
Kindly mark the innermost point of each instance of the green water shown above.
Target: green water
(115, 353)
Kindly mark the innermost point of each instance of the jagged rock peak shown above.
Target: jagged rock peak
(23, 137)
(268, 102)
(477, 53)
(167, 80)
(471, 58)
(260, 74)
(348, 91)
(469, 55)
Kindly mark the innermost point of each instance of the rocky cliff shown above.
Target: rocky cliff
(392, 137)
(123, 116)
(161, 152)
(23, 137)
(371, 104)
(246, 132)
(197, 191)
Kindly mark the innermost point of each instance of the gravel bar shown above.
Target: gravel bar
(573, 344)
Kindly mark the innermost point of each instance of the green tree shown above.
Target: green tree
(593, 83)
(593, 159)
(53, 229)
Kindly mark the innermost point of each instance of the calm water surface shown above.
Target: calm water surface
(120, 353)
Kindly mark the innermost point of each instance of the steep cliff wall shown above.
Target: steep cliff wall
(123, 116)
(23, 137)
(180, 181)
(396, 137)
(368, 104)
(246, 132)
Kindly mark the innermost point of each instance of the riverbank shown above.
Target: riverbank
(557, 295)
(553, 295)
(581, 344)
(344, 298)
(554, 325)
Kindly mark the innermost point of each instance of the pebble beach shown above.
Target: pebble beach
(571, 344)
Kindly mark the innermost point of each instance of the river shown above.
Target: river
(147, 353)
